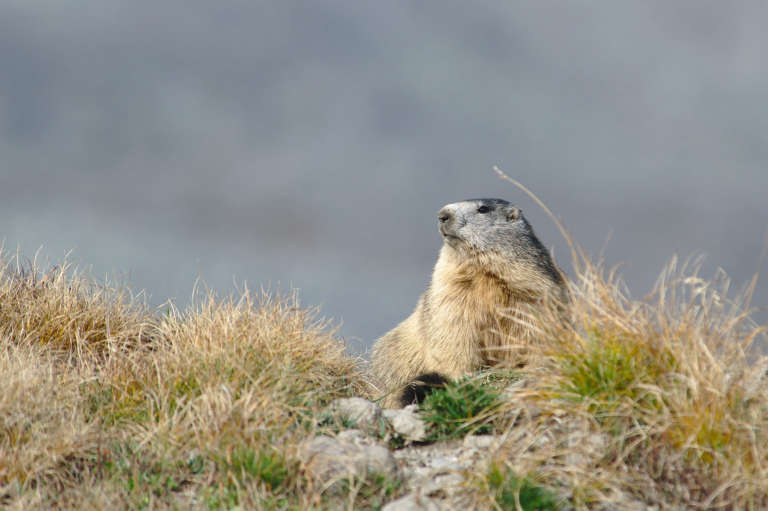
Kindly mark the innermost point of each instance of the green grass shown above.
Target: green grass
(143, 477)
(460, 408)
(612, 371)
(510, 490)
(268, 467)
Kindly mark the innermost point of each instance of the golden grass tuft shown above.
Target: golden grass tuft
(657, 402)
(66, 311)
(660, 401)
(105, 403)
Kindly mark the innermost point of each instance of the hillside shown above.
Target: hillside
(107, 404)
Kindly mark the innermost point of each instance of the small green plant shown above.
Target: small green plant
(268, 467)
(330, 421)
(461, 407)
(245, 465)
(141, 477)
(221, 497)
(196, 464)
(511, 491)
(611, 370)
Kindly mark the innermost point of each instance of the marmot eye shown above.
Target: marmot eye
(483, 209)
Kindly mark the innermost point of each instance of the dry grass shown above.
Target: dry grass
(67, 312)
(660, 401)
(105, 404)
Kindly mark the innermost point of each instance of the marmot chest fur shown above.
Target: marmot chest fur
(492, 277)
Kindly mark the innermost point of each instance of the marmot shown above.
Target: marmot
(492, 277)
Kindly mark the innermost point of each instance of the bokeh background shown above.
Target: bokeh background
(310, 144)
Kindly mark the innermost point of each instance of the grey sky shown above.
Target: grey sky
(311, 143)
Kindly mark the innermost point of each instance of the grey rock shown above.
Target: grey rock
(407, 423)
(350, 455)
(363, 413)
(445, 463)
(434, 475)
(481, 442)
(412, 502)
(443, 485)
(355, 436)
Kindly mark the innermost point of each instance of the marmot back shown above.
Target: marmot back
(492, 278)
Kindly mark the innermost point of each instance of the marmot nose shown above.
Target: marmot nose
(444, 215)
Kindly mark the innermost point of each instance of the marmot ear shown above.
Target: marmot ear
(513, 213)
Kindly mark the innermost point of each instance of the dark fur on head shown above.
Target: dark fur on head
(421, 387)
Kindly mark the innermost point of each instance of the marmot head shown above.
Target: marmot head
(479, 225)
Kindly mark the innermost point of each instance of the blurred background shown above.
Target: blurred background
(310, 144)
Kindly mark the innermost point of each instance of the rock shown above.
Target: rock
(361, 412)
(411, 502)
(434, 475)
(442, 485)
(445, 463)
(481, 442)
(407, 423)
(350, 455)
